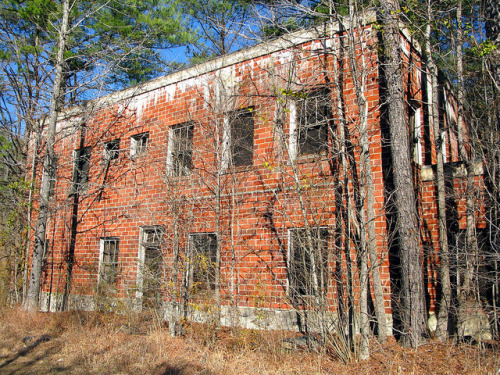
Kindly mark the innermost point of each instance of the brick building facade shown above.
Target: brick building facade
(232, 184)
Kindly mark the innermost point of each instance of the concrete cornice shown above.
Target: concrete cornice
(282, 43)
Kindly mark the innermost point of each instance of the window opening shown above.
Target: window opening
(81, 167)
(109, 260)
(111, 150)
(308, 261)
(152, 267)
(415, 132)
(203, 248)
(312, 119)
(241, 125)
(181, 149)
(139, 144)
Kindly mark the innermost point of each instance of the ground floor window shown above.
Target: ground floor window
(108, 260)
(151, 247)
(203, 261)
(307, 261)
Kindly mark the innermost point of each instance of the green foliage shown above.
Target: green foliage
(276, 30)
(12, 238)
(121, 38)
(218, 26)
(110, 44)
(482, 49)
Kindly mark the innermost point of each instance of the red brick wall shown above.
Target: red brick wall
(258, 204)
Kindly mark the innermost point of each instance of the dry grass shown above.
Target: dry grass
(97, 343)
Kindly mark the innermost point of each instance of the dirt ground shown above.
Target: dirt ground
(91, 343)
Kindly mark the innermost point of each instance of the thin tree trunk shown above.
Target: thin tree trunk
(218, 213)
(467, 289)
(366, 172)
(492, 26)
(444, 260)
(34, 164)
(176, 278)
(412, 293)
(344, 219)
(49, 171)
(491, 69)
(362, 253)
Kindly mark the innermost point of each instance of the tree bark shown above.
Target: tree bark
(492, 26)
(367, 221)
(444, 267)
(345, 217)
(490, 148)
(412, 290)
(468, 288)
(49, 171)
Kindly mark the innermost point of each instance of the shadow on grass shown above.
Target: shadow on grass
(31, 344)
(184, 368)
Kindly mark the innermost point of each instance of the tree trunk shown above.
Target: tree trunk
(362, 252)
(368, 197)
(49, 170)
(444, 267)
(468, 288)
(174, 324)
(412, 290)
(492, 26)
(344, 218)
(34, 166)
(490, 148)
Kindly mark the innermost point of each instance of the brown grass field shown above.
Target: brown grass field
(106, 343)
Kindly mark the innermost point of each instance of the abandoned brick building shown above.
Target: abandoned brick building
(208, 186)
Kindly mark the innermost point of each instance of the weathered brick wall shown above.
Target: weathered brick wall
(252, 207)
(456, 199)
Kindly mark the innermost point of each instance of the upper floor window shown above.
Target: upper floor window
(139, 144)
(111, 150)
(309, 115)
(444, 142)
(308, 261)
(180, 146)
(52, 179)
(81, 165)
(415, 126)
(108, 260)
(240, 127)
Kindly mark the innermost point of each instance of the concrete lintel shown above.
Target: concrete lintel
(454, 170)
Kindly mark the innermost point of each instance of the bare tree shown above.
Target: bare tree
(74, 72)
(49, 170)
(221, 27)
(360, 77)
(433, 102)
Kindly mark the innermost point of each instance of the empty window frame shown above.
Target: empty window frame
(46, 251)
(444, 143)
(241, 128)
(308, 262)
(460, 255)
(52, 179)
(81, 165)
(180, 147)
(111, 150)
(139, 144)
(151, 258)
(203, 261)
(309, 123)
(108, 260)
(312, 119)
(414, 123)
